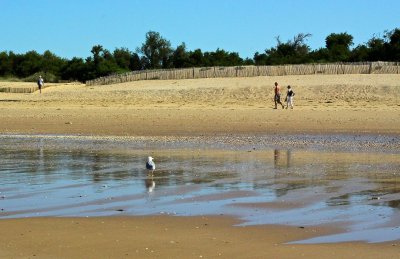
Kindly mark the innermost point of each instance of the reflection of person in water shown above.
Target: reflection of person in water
(278, 161)
(277, 155)
(41, 155)
(288, 157)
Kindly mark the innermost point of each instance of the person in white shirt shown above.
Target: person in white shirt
(40, 83)
(289, 97)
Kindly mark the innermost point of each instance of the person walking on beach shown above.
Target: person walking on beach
(277, 97)
(289, 97)
(40, 83)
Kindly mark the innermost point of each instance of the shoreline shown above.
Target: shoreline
(339, 142)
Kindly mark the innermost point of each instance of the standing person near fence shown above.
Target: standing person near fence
(289, 97)
(277, 97)
(40, 83)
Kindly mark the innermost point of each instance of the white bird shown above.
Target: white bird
(150, 165)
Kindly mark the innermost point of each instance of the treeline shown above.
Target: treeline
(156, 53)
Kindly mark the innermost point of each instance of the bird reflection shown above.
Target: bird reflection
(150, 183)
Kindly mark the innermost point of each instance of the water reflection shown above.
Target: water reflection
(340, 200)
(393, 204)
(42, 178)
(150, 184)
(282, 158)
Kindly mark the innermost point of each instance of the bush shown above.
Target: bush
(47, 77)
(10, 79)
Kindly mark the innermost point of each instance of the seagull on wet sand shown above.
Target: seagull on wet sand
(150, 165)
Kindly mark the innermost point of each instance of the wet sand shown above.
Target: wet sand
(343, 104)
(169, 237)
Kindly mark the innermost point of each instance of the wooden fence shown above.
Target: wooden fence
(10, 89)
(251, 71)
(21, 89)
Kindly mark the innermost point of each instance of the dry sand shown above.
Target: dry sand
(323, 104)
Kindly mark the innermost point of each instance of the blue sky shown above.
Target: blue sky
(71, 28)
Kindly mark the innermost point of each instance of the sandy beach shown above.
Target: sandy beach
(324, 104)
(168, 237)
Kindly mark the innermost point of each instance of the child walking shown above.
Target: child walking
(289, 97)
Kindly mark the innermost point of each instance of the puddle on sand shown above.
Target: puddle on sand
(67, 176)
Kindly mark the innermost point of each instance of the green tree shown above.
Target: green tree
(294, 51)
(360, 53)
(109, 65)
(376, 49)
(338, 45)
(122, 57)
(260, 59)
(75, 69)
(320, 55)
(180, 57)
(156, 50)
(5, 64)
(135, 63)
(393, 48)
(97, 57)
(248, 62)
(28, 64)
(221, 57)
(102, 63)
(196, 58)
(52, 63)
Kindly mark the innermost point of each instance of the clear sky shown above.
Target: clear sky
(70, 28)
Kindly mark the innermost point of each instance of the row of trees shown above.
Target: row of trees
(337, 49)
(156, 52)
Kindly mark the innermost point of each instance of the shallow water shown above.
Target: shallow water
(260, 181)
